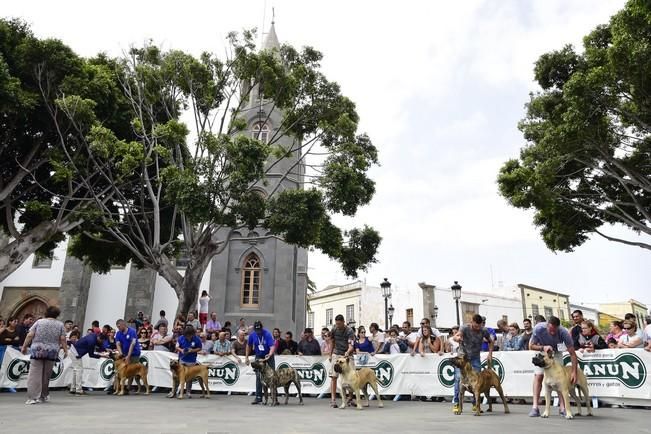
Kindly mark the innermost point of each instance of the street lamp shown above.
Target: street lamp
(456, 294)
(435, 314)
(386, 293)
(391, 312)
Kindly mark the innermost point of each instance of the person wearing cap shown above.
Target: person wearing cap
(262, 343)
(79, 349)
(308, 346)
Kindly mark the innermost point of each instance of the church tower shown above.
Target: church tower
(264, 278)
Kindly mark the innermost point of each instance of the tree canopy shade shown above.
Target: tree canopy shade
(36, 209)
(587, 162)
(190, 186)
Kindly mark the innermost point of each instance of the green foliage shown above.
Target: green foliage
(588, 136)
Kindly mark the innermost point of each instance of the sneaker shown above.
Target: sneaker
(32, 401)
(456, 409)
(474, 408)
(188, 396)
(534, 412)
(256, 402)
(562, 413)
(81, 393)
(72, 392)
(45, 398)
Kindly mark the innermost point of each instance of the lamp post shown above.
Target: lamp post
(456, 294)
(386, 293)
(435, 314)
(391, 312)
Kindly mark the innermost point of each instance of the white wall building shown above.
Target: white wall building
(367, 305)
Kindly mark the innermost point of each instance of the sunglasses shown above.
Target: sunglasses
(423, 323)
(628, 328)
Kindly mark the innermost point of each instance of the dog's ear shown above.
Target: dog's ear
(550, 352)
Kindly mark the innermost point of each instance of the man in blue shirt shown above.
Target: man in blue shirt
(126, 341)
(188, 346)
(550, 336)
(262, 343)
(79, 349)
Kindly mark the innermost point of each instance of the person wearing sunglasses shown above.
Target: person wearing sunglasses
(630, 338)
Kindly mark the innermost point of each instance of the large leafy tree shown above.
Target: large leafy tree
(587, 163)
(191, 185)
(36, 209)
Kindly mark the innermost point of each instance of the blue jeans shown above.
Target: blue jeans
(3, 348)
(258, 382)
(475, 362)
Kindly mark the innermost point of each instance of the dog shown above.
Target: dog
(356, 380)
(125, 373)
(478, 383)
(558, 377)
(181, 374)
(272, 379)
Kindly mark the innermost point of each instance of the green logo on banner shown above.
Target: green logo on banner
(107, 368)
(228, 373)
(497, 367)
(446, 372)
(626, 368)
(315, 374)
(19, 368)
(384, 372)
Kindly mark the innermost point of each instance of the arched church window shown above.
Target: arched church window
(261, 132)
(251, 281)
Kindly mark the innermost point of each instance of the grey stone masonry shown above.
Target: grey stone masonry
(140, 292)
(73, 295)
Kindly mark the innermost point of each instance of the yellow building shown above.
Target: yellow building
(605, 320)
(620, 310)
(537, 301)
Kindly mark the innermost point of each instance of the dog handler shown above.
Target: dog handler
(188, 346)
(548, 336)
(471, 337)
(263, 344)
(343, 338)
(78, 350)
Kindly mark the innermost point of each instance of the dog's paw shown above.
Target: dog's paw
(545, 414)
(380, 405)
(569, 415)
(180, 397)
(342, 406)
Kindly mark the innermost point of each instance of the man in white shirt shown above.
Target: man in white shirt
(408, 335)
(647, 333)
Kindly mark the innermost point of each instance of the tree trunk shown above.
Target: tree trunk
(17, 251)
(190, 289)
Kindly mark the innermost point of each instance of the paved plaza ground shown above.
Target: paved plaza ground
(99, 413)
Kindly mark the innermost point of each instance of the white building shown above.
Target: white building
(364, 304)
(589, 313)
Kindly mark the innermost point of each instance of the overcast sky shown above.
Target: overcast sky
(440, 87)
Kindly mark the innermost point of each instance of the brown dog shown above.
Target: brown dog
(184, 373)
(356, 380)
(125, 373)
(558, 378)
(478, 383)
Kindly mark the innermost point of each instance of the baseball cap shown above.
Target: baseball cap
(257, 325)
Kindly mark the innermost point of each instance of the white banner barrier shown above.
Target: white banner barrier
(611, 373)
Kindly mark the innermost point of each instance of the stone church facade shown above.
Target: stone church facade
(258, 276)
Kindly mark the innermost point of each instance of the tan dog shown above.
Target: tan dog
(125, 373)
(356, 380)
(478, 383)
(558, 378)
(184, 373)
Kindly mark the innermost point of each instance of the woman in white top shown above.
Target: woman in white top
(203, 309)
(630, 338)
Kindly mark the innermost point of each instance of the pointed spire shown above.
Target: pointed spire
(271, 43)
